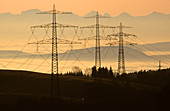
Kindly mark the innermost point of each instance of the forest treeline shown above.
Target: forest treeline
(143, 76)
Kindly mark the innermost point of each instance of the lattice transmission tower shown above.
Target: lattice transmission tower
(54, 41)
(97, 37)
(160, 66)
(121, 43)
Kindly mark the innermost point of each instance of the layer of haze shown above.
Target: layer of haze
(81, 7)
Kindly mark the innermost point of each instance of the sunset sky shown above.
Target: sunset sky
(81, 7)
(15, 33)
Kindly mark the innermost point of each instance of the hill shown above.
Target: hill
(137, 91)
(13, 53)
(159, 46)
(87, 54)
(109, 53)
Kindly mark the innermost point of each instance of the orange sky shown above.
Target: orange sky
(81, 7)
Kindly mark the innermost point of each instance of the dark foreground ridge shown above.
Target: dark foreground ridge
(140, 91)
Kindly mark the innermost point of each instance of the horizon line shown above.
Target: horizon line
(91, 12)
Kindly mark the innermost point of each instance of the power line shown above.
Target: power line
(153, 50)
(155, 58)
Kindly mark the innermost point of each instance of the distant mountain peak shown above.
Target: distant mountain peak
(91, 13)
(124, 14)
(156, 14)
(108, 15)
(31, 11)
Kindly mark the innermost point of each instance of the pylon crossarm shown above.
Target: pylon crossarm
(127, 35)
(104, 26)
(47, 41)
(123, 27)
(66, 26)
(42, 26)
(100, 26)
(123, 34)
(107, 38)
(50, 25)
(115, 35)
(92, 26)
(60, 41)
(101, 38)
(130, 43)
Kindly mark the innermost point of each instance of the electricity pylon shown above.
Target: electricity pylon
(121, 42)
(54, 41)
(97, 26)
(159, 66)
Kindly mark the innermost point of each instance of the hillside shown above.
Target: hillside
(13, 53)
(132, 54)
(108, 54)
(21, 89)
(87, 54)
(159, 46)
